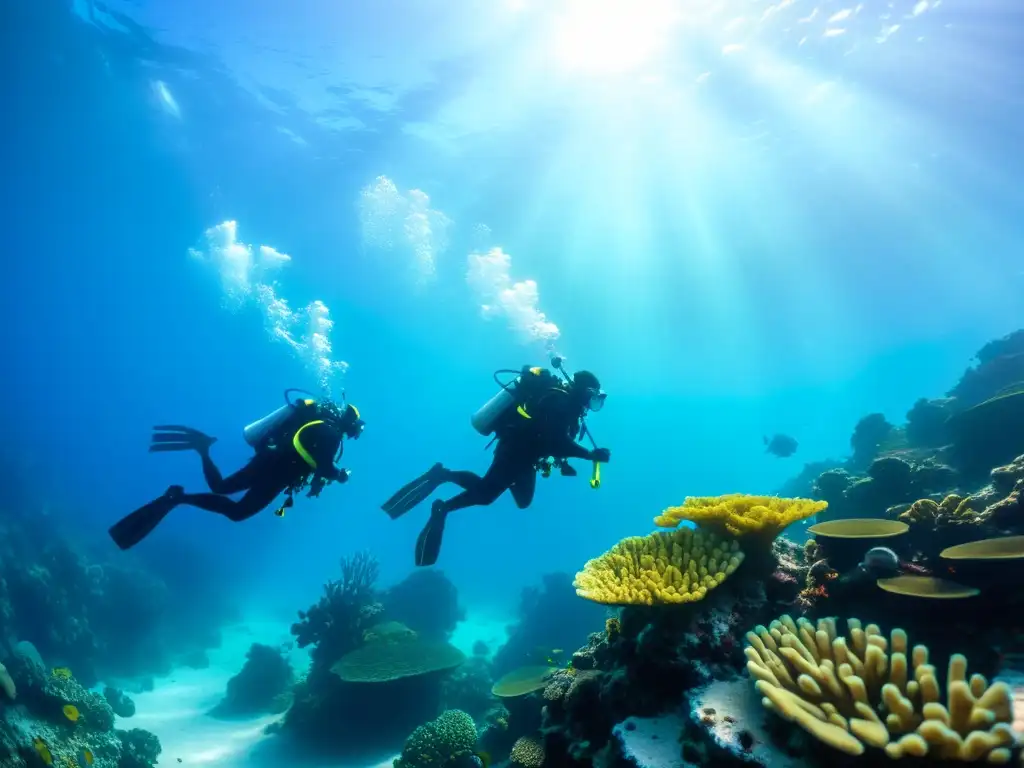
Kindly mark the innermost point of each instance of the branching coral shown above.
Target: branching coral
(335, 624)
(741, 515)
(860, 691)
(439, 742)
(658, 569)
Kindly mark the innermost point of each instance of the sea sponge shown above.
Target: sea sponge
(659, 569)
(741, 515)
(866, 691)
(439, 742)
(527, 752)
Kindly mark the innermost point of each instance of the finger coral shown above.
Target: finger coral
(738, 514)
(863, 691)
(659, 569)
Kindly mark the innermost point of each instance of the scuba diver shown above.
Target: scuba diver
(535, 419)
(296, 445)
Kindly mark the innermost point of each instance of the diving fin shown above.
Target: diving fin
(428, 544)
(415, 493)
(130, 530)
(174, 437)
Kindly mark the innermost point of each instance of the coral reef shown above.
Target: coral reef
(909, 525)
(56, 716)
(469, 688)
(862, 691)
(741, 515)
(78, 609)
(425, 601)
(660, 569)
(1000, 366)
(334, 626)
(360, 668)
(551, 617)
(263, 684)
(868, 437)
(440, 742)
(119, 702)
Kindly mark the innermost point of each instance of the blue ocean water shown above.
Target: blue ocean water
(774, 239)
(745, 218)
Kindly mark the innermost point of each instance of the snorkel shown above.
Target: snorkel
(557, 362)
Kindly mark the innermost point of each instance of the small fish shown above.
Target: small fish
(43, 750)
(780, 445)
(61, 672)
(85, 757)
(71, 712)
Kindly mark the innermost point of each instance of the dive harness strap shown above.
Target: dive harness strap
(308, 459)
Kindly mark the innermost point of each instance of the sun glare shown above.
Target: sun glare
(613, 36)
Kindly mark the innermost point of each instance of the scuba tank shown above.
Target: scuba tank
(259, 432)
(487, 417)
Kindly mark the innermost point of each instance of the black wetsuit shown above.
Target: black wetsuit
(269, 473)
(550, 430)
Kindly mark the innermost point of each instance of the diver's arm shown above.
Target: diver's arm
(570, 449)
(561, 420)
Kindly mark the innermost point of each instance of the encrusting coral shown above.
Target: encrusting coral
(860, 691)
(659, 569)
(952, 510)
(738, 514)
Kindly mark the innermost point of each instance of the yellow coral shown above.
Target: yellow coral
(658, 569)
(866, 691)
(741, 515)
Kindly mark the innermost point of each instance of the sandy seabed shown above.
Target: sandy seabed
(176, 709)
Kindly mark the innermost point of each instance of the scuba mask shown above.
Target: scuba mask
(595, 399)
(347, 419)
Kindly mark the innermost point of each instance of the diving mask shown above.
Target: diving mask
(595, 399)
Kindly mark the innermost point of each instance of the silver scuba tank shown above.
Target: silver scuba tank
(486, 417)
(255, 433)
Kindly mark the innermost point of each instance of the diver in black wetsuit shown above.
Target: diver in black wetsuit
(536, 418)
(296, 445)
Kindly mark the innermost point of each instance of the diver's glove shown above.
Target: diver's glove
(600, 455)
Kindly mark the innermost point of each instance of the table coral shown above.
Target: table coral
(865, 691)
(659, 569)
(741, 515)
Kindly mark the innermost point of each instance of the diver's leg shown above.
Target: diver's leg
(241, 480)
(463, 478)
(255, 500)
(524, 488)
(483, 491)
